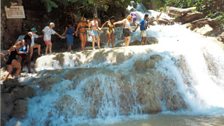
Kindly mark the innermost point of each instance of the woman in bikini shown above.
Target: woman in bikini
(81, 29)
(110, 31)
(127, 29)
(94, 26)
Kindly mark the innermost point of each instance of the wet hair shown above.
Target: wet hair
(146, 15)
(129, 17)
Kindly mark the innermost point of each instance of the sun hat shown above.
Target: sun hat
(33, 29)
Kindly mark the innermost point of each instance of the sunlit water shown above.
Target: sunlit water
(103, 87)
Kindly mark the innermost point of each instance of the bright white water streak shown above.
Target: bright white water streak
(202, 66)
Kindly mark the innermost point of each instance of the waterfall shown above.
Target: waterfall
(183, 73)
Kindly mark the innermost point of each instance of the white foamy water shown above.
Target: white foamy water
(110, 85)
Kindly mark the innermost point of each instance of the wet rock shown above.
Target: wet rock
(136, 42)
(13, 99)
(23, 92)
(152, 40)
(148, 91)
(65, 106)
(140, 66)
(60, 58)
(6, 107)
(20, 109)
(48, 82)
(149, 41)
(121, 57)
(9, 84)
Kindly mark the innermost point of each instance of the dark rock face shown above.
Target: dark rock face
(14, 100)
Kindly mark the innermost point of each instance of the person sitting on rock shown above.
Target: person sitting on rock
(24, 52)
(13, 60)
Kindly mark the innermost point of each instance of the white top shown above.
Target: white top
(33, 38)
(47, 33)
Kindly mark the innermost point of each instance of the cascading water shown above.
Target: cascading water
(183, 73)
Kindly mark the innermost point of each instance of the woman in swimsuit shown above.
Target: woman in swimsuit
(94, 25)
(127, 29)
(81, 29)
(110, 31)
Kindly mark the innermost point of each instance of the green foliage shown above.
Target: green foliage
(102, 4)
(212, 8)
(50, 4)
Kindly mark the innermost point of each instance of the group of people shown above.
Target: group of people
(22, 51)
(91, 28)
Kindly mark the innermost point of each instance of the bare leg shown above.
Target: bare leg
(98, 41)
(69, 48)
(31, 51)
(143, 40)
(9, 69)
(50, 48)
(112, 39)
(46, 50)
(82, 41)
(38, 48)
(127, 40)
(16, 65)
(109, 39)
(93, 43)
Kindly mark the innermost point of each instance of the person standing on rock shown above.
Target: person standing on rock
(81, 29)
(94, 26)
(127, 29)
(48, 31)
(34, 45)
(110, 31)
(144, 24)
(69, 32)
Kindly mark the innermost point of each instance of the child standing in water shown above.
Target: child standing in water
(110, 31)
(69, 32)
(48, 31)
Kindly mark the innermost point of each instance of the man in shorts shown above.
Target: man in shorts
(144, 24)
